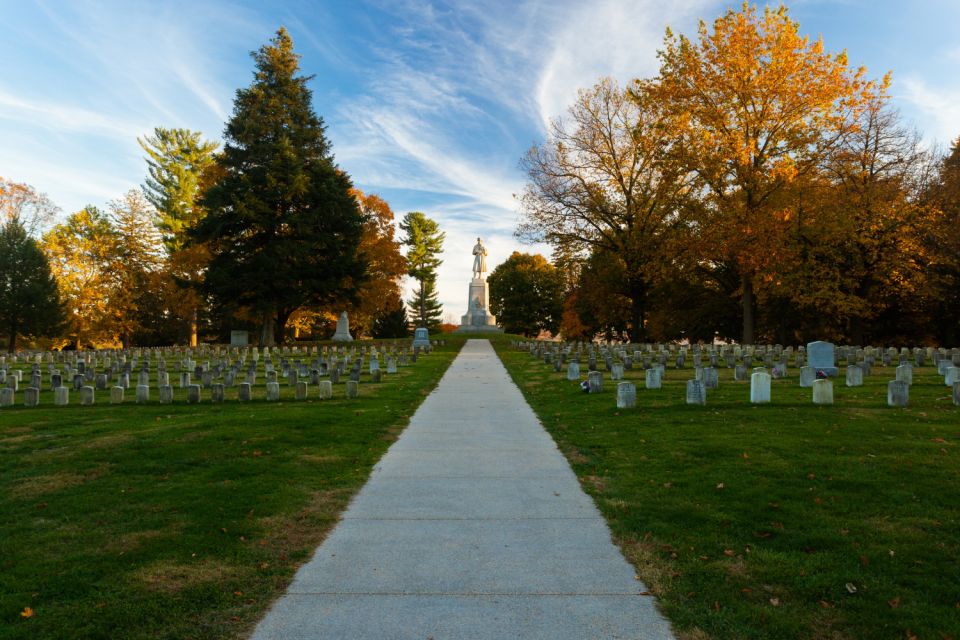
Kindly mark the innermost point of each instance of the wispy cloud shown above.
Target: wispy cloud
(937, 106)
(66, 117)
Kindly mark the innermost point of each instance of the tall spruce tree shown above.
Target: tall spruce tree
(424, 240)
(29, 298)
(176, 160)
(281, 225)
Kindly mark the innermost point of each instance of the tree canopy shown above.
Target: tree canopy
(29, 298)
(526, 294)
(282, 226)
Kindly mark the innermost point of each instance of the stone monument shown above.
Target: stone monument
(421, 337)
(478, 318)
(342, 333)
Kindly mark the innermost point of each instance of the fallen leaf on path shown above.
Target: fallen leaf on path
(26, 613)
(851, 588)
(775, 602)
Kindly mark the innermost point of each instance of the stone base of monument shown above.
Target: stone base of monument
(477, 320)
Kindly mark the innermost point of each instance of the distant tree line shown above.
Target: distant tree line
(758, 188)
(266, 234)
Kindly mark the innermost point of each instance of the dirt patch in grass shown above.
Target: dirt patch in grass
(575, 457)
(173, 577)
(595, 482)
(655, 572)
(131, 541)
(19, 429)
(107, 442)
(36, 486)
(308, 527)
(315, 458)
(17, 439)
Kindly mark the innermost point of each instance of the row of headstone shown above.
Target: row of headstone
(822, 356)
(194, 394)
(898, 391)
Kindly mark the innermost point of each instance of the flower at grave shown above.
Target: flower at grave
(822, 375)
(585, 386)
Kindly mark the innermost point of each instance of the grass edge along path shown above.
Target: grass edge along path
(181, 521)
(779, 521)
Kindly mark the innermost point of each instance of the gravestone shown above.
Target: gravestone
(898, 393)
(353, 389)
(273, 392)
(193, 394)
(166, 394)
(654, 378)
(87, 396)
(760, 388)
(616, 371)
(239, 338)
(739, 372)
(626, 395)
(243, 392)
(573, 370)
(823, 391)
(696, 392)
(342, 333)
(143, 393)
(822, 357)
(905, 373)
(301, 391)
(854, 376)
(61, 396)
(807, 376)
(951, 376)
(7, 397)
(31, 397)
(326, 389)
(217, 393)
(710, 377)
(956, 393)
(595, 382)
(116, 395)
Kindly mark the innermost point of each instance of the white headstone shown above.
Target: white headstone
(760, 388)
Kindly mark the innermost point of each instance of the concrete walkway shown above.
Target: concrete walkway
(471, 526)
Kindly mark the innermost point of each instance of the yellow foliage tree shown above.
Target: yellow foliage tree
(754, 106)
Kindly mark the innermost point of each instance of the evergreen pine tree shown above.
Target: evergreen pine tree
(29, 299)
(425, 241)
(281, 224)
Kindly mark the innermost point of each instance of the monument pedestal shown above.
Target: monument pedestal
(477, 318)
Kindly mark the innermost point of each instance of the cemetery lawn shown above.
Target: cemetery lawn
(180, 521)
(779, 521)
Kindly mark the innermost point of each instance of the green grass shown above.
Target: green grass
(751, 521)
(180, 521)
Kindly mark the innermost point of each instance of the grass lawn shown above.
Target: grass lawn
(180, 521)
(786, 520)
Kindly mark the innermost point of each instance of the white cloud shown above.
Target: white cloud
(937, 108)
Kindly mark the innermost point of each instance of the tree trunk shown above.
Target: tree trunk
(267, 337)
(12, 341)
(193, 329)
(746, 281)
(280, 326)
(639, 332)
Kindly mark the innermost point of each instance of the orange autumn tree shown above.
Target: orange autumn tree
(378, 294)
(754, 106)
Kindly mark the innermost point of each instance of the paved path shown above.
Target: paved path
(471, 526)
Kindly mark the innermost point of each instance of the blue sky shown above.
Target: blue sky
(430, 104)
